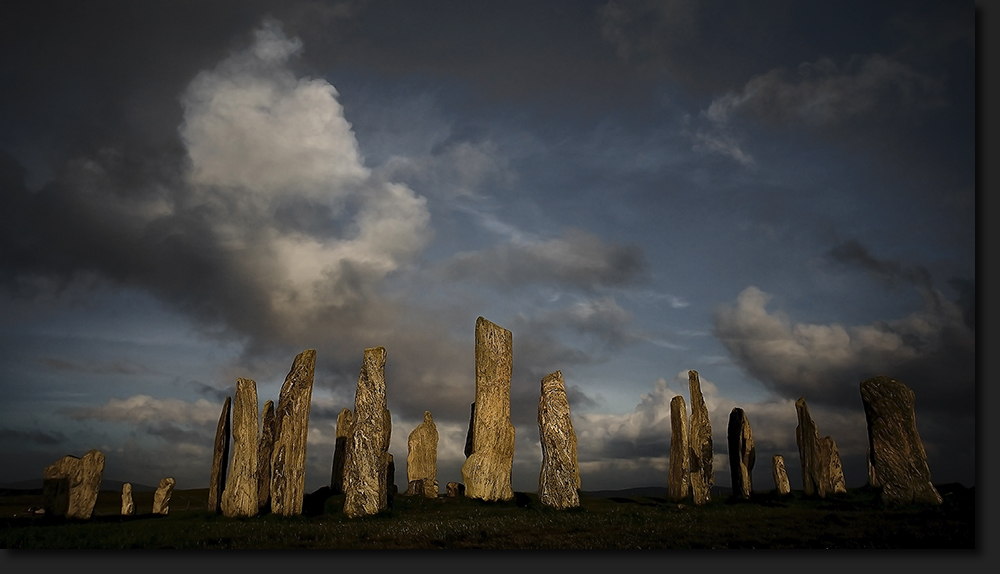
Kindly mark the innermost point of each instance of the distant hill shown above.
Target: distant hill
(106, 484)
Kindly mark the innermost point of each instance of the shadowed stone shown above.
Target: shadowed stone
(161, 498)
(291, 430)
(128, 507)
(836, 483)
(70, 485)
(455, 489)
(344, 422)
(811, 452)
(265, 450)
(896, 455)
(559, 479)
(390, 478)
(220, 459)
(240, 498)
(679, 478)
(367, 463)
(421, 458)
(487, 471)
(742, 454)
(700, 450)
(472, 430)
(780, 476)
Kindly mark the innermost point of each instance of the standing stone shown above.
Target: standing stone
(897, 458)
(455, 489)
(559, 479)
(70, 485)
(220, 459)
(291, 430)
(780, 476)
(421, 458)
(679, 479)
(742, 454)
(345, 420)
(390, 478)
(487, 471)
(472, 430)
(240, 495)
(265, 449)
(835, 472)
(367, 463)
(161, 498)
(813, 457)
(128, 507)
(700, 450)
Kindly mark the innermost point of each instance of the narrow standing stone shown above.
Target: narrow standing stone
(70, 485)
(679, 480)
(472, 430)
(220, 459)
(161, 498)
(128, 507)
(292, 428)
(240, 496)
(812, 456)
(487, 471)
(366, 467)
(742, 454)
(559, 479)
(265, 450)
(780, 476)
(421, 458)
(345, 420)
(836, 483)
(700, 450)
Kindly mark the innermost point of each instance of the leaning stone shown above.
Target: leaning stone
(366, 467)
(559, 479)
(240, 495)
(128, 507)
(742, 454)
(780, 476)
(421, 458)
(161, 498)
(896, 453)
(265, 450)
(344, 422)
(455, 489)
(700, 451)
(487, 471)
(70, 485)
(836, 483)
(291, 430)
(220, 459)
(679, 478)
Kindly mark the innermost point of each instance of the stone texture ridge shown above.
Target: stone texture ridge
(559, 479)
(780, 476)
(472, 430)
(679, 477)
(742, 454)
(220, 459)
(128, 506)
(70, 485)
(265, 449)
(896, 455)
(161, 498)
(367, 462)
(487, 471)
(240, 496)
(291, 430)
(700, 449)
(421, 458)
(345, 420)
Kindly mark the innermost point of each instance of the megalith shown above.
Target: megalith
(779, 474)
(291, 423)
(367, 462)
(455, 489)
(421, 459)
(472, 429)
(742, 454)
(161, 498)
(812, 456)
(559, 479)
(487, 471)
(70, 485)
(700, 449)
(220, 459)
(679, 474)
(128, 506)
(835, 471)
(896, 456)
(265, 449)
(344, 422)
(240, 498)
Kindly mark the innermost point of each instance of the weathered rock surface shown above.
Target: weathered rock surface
(742, 454)
(367, 463)
(896, 455)
(455, 489)
(472, 429)
(161, 498)
(700, 451)
(421, 458)
(345, 420)
(813, 457)
(128, 506)
(836, 483)
(559, 479)
(487, 471)
(220, 459)
(292, 428)
(780, 476)
(240, 498)
(265, 450)
(70, 485)
(679, 477)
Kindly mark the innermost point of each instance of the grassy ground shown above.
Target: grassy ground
(852, 520)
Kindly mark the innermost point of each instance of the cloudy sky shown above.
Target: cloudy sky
(779, 195)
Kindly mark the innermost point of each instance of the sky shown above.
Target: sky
(779, 195)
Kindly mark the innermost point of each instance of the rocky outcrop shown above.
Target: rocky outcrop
(345, 420)
(455, 489)
(421, 459)
(220, 459)
(559, 479)
(742, 454)
(265, 450)
(779, 474)
(700, 451)
(240, 498)
(292, 427)
(487, 471)
(896, 456)
(128, 506)
(367, 462)
(70, 485)
(679, 474)
(161, 498)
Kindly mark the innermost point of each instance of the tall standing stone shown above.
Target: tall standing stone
(487, 471)
(345, 420)
(836, 483)
(897, 458)
(292, 428)
(472, 430)
(367, 463)
(700, 449)
(559, 479)
(128, 506)
(70, 485)
(421, 458)
(240, 498)
(265, 449)
(812, 454)
(779, 474)
(679, 478)
(220, 459)
(161, 498)
(742, 454)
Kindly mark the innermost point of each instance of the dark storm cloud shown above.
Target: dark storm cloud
(37, 437)
(98, 368)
